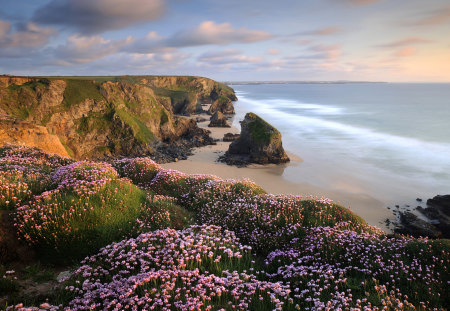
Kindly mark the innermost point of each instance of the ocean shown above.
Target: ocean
(388, 140)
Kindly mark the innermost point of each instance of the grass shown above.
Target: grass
(78, 90)
(140, 131)
(260, 130)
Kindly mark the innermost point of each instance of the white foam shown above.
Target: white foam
(404, 155)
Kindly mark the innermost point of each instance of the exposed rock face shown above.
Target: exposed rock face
(218, 119)
(111, 116)
(222, 104)
(437, 223)
(259, 142)
(230, 137)
(24, 133)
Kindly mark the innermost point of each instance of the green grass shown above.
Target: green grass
(140, 131)
(81, 224)
(260, 130)
(78, 90)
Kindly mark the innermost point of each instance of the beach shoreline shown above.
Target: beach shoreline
(270, 177)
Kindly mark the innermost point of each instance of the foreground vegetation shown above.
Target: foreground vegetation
(136, 236)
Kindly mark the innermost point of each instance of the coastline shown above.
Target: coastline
(270, 177)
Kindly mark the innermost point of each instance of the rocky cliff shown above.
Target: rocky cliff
(97, 117)
(259, 142)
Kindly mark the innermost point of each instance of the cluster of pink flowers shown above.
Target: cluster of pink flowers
(140, 170)
(84, 176)
(170, 269)
(322, 269)
(24, 172)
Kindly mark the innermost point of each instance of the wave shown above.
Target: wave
(385, 150)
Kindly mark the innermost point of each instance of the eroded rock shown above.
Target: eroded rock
(259, 142)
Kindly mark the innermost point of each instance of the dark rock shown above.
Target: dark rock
(412, 225)
(222, 104)
(437, 223)
(259, 142)
(200, 119)
(419, 200)
(218, 119)
(230, 137)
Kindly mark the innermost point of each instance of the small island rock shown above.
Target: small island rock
(218, 119)
(259, 142)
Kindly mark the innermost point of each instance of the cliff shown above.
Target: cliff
(97, 117)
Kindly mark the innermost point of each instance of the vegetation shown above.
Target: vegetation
(78, 90)
(260, 130)
(160, 239)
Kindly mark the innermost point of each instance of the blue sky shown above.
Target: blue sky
(374, 40)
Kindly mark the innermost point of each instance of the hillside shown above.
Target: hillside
(98, 117)
(130, 235)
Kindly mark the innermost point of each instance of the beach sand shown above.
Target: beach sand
(270, 177)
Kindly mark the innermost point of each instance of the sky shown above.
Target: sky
(229, 40)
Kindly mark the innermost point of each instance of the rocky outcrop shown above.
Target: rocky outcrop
(230, 137)
(24, 133)
(111, 116)
(436, 223)
(187, 95)
(259, 142)
(222, 104)
(218, 119)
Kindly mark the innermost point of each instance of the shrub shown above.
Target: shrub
(68, 225)
(333, 267)
(31, 158)
(83, 175)
(141, 171)
(197, 268)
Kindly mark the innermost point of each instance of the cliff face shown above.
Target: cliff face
(97, 117)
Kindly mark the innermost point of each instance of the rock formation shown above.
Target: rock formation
(259, 142)
(436, 223)
(218, 119)
(222, 104)
(100, 117)
(24, 133)
(230, 137)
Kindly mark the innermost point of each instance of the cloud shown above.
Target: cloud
(94, 16)
(27, 35)
(328, 52)
(207, 33)
(405, 42)
(407, 51)
(83, 49)
(273, 51)
(211, 33)
(228, 57)
(435, 17)
(331, 30)
(361, 2)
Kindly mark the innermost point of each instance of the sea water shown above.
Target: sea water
(388, 140)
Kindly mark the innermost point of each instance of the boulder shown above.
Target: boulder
(222, 104)
(230, 137)
(218, 119)
(259, 142)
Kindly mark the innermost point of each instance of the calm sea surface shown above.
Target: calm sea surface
(388, 140)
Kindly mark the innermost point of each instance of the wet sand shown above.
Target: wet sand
(270, 177)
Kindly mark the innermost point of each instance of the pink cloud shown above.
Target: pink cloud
(407, 51)
(211, 33)
(405, 42)
(436, 17)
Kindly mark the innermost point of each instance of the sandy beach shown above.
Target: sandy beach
(270, 177)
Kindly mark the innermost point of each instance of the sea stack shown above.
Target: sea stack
(218, 119)
(259, 142)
